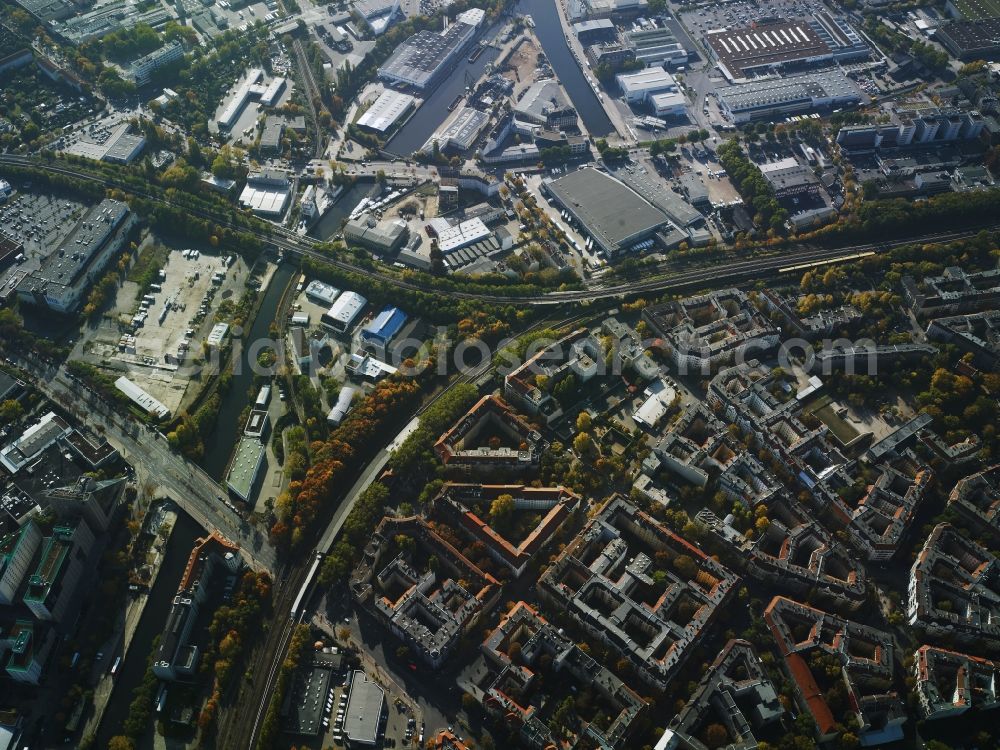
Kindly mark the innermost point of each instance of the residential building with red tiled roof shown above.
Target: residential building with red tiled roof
(639, 589)
(950, 683)
(840, 669)
(467, 506)
(490, 437)
(523, 653)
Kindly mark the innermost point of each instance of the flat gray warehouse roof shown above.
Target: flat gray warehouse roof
(612, 212)
(364, 710)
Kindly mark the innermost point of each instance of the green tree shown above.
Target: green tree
(685, 566)
(501, 509)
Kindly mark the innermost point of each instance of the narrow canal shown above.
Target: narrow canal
(218, 449)
(329, 225)
(434, 111)
(429, 117)
(219, 445)
(550, 33)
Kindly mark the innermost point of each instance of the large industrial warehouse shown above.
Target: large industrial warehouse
(422, 59)
(971, 40)
(777, 97)
(614, 215)
(386, 111)
(822, 38)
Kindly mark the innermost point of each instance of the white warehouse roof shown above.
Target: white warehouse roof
(386, 110)
(466, 233)
(347, 307)
(142, 399)
(321, 292)
(648, 81)
(218, 334)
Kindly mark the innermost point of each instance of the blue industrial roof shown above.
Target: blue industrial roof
(385, 325)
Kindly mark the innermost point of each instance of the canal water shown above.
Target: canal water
(329, 225)
(433, 112)
(150, 625)
(220, 443)
(550, 33)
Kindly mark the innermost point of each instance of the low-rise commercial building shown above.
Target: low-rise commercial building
(33, 442)
(463, 234)
(779, 97)
(244, 470)
(141, 398)
(366, 707)
(345, 400)
(65, 275)
(383, 328)
(384, 237)
(788, 178)
(463, 130)
(614, 8)
(267, 194)
(321, 293)
(239, 100)
(641, 86)
(596, 30)
(779, 44)
(545, 103)
(617, 217)
(386, 111)
(971, 40)
(656, 47)
(343, 314)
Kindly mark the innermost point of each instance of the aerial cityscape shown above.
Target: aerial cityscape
(500, 374)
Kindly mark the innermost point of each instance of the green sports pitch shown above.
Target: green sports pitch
(977, 10)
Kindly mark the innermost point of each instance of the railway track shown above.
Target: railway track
(711, 274)
(313, 95)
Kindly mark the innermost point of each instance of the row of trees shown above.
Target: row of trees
(669, 145)
(307, 501)
(188, 436)
(757, 193)
(234, 626)
(489, 323)
(414, 460)
(298, 650)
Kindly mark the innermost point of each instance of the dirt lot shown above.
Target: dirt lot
(522, 64)
(187, 282)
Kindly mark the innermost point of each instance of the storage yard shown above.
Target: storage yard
(169, 323)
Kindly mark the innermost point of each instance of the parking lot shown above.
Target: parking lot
(39, 223)
(173, 322)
